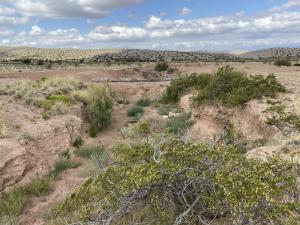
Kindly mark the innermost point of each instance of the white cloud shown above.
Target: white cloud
(117, 33)
(291, 4)
(5, 32)
(214, 33)
(12, 20)
(36, 30)
(69, 8)
(185, 11)
(6, 10)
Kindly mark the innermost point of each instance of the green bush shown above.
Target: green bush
(180, 123)
(176, 182)
(90, 152)
(144, 102)
(11, 205)
(99, 106)
(60, 98)
(297, 64)
(135, 110)
(227, 87)
(183, 85)
(162, 66)
(282, 62)
(39, 186)
(61, 165)
(96, 153)
(78, 142)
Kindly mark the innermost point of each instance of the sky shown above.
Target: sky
(187, 25)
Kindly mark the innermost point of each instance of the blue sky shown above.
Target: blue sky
(215, 25)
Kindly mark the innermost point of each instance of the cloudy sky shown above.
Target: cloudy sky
(152, 24)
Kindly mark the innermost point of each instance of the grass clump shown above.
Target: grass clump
(90, 152)
(99, 107)
(144, 102)
(162, 66)
(60, 98)
(95, 153)
(11, 205)
(55, 105)
(282, 62)
(227, 87)
(179, 124)
(13, 202)
(63, 164)
(135, 111)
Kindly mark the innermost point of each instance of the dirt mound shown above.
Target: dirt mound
(248, 120)
(32, 143)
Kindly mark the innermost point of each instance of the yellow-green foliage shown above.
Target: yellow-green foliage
(157, 185)
(279, 116)
(227, 86)
(32, 91)
(99, 106)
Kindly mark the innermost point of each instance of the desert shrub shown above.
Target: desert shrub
(161, 66)
(227, 87)
(180, 123)
(184, 84)
(171, 70)
(231, 88)
(26, 61)
(135, 111)
(40, 62)
(78, 142)
(39, 186)
(165, 109)
(178, 182)
(278, 116)
(90, 151)
(62, 164)
(99, 106)
(95, 153)
(297, 64)
(282, 62)
(144, 102)
(11, 205)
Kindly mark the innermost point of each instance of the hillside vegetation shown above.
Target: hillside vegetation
(226, 87)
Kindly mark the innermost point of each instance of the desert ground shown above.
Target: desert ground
(32, 144)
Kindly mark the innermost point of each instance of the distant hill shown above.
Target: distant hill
(293, 53)
(107, 55)
(133, 55)
(153, 56)
(12, 53)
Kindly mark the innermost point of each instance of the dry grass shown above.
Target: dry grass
(31, 91)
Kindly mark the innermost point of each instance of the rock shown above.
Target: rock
(13, 164)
